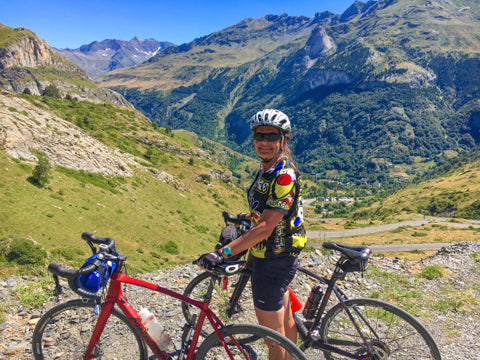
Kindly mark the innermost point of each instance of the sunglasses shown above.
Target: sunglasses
(269, 137)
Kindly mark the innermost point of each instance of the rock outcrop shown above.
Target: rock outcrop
(28, 62)
(25, 129)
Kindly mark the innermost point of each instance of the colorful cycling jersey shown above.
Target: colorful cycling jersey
(278, 189)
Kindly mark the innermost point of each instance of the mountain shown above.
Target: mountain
(100, 57)
(29, 64)
(158, 192)
(384, 89)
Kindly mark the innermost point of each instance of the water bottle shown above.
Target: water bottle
(312, 302)
(155, 329)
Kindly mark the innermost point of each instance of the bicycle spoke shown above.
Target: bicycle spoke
(197, 288)
(388, 331)
(64, 333)
(249, 342)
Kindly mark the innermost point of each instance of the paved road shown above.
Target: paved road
(312, 234)
(395, 247)
(322, 235)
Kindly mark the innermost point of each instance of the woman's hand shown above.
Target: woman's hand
(208, 261)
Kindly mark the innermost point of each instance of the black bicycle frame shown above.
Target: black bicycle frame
(307, 333)
(310, 341)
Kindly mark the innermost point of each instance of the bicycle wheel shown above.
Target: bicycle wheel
(197, 288)
(391, 332)
(212, 348)
(64, 332)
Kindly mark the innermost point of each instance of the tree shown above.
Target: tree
(52, 91)
(41, 174)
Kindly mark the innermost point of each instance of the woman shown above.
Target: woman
(277, 235)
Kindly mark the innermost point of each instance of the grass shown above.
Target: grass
(423, 234)
(408, 291)
(136, 216)
(155, 224)
(34, 294)
(401, 289)
(431, 272)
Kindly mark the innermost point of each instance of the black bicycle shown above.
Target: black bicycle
(359, 328)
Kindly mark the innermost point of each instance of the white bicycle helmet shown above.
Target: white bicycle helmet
(271, 117)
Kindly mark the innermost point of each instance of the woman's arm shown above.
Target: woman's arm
(268, 222)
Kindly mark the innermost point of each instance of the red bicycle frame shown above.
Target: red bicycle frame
(115, 296)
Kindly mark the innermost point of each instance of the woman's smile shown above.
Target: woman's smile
(266, 150)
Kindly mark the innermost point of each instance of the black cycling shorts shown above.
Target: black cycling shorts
(270, 280)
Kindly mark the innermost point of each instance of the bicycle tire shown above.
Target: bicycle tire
(64, 332)
(218, 304)
(393, 333)
(211, 348)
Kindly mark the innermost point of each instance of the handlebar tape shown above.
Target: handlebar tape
(72, 274)
(232, 219)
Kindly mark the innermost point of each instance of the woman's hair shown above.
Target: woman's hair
(286, 149)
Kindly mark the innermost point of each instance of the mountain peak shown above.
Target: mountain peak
(100, 57)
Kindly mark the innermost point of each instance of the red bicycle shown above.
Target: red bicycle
(108, 327)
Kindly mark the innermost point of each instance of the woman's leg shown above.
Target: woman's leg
(281, 321)
(288, 320)
(270, 280)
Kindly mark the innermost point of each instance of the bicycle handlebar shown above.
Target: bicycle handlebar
(87, 236)
(237, 219)
(107, 252)
(71, 275)
(227, 268)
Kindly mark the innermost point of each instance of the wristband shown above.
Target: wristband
(227, 251)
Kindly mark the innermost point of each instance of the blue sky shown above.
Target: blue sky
(72, 23)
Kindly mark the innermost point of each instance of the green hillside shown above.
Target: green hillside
(450, 190)
(385, 89)
(156, 224)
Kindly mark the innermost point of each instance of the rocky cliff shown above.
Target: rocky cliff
(25, 129)
(28, 62)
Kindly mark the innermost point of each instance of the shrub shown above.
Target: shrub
(25, 252)
(41, 173)
(170, 247)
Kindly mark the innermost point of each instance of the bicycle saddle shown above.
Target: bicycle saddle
(353, 253)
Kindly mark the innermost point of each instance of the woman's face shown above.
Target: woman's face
(267, 150)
